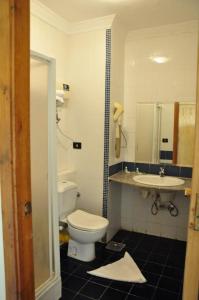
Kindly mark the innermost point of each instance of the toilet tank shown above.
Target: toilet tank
(67, 197)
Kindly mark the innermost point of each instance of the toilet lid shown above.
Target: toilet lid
(85, 221)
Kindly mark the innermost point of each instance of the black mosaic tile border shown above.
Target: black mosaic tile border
(168, 155)
(115, 168)
(106, 122)
(170, 170)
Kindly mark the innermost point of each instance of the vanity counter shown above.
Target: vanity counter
(128, 178)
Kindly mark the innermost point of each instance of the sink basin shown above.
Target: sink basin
(156, 180)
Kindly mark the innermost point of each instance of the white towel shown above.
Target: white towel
(124, 269)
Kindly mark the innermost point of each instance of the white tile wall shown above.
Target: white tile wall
(136, 215)
(47, 40)
(80, 61)
(84, 116)
(114, 209)
(146, 81)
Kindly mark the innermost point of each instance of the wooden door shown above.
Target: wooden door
(15, 148)
(191, 276)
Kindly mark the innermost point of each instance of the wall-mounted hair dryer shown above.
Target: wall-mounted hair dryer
(59, 98)
(118, 111)
(62, 93)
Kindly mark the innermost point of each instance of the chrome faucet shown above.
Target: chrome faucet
(161, 173)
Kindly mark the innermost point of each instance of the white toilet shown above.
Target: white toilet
(84, 228)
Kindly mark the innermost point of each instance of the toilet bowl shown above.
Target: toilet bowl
(85, 229)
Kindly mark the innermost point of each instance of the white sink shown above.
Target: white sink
(156, 180)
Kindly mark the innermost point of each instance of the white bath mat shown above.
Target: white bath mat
(124, 269)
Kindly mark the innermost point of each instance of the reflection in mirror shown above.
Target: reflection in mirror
(186, 131)
(165, 133)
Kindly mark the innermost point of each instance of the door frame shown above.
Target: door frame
(15, 149)
(191, 273)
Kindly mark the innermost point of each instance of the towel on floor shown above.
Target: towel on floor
(125, 269)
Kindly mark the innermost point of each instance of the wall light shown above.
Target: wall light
(159, 59)
(118, 1)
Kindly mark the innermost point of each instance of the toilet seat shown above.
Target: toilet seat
(85, 221)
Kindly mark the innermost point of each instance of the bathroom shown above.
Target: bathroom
(85, 108)
(110, 58)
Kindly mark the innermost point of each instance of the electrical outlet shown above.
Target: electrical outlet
(165, 140)
(77, 145)
(66, 87)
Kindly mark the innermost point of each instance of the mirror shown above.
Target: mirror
(165, 133)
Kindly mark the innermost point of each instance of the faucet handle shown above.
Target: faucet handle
(161, 172)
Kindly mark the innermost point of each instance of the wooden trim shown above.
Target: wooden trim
(15, 148)
(175, 132)
(191, 274)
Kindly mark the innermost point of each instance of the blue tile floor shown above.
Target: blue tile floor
(161, 260)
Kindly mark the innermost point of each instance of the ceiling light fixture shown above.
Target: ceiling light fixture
(159, 59)
(118, 1)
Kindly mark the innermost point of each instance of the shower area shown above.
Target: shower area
(43, 177)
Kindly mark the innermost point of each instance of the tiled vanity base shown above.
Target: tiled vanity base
(160, 259)
(136, 210)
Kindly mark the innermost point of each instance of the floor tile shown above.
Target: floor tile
(111, 294)
(161, 294)
(143, 255)
(180, 294)
(157, 258)
(67, 294)
(143, 290)
(152, 279)
(150, 253)
(153, 268)
(116, 256)
(152, 239)
(140, 263)
(98, 262)
(121, 235)
(179, 247)
(92, 290)
(121, 286)
(133, 297)
(146, 246)
(169, 284)
(73, 283)
(131, 244)
(69, 266)
(177, 261)
(174, 273)
(161, 250)
(81, 271)
(100, 280)
(63, 253)
(81, 297)
(64, 246)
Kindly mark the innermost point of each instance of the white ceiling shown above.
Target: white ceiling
(133, 13)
